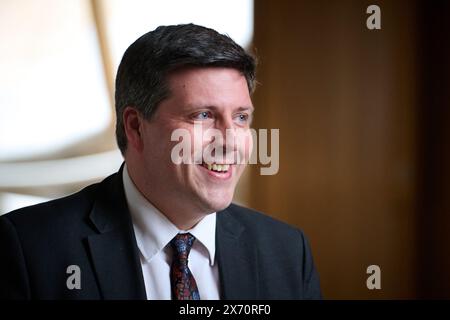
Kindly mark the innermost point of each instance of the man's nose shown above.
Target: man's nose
(226, 126)
(225, 122)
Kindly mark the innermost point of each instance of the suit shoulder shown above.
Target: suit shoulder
(53, 210)
(283, 251)
(261, 222)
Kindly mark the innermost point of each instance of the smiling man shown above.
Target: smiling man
(209, 97)
(161, 229)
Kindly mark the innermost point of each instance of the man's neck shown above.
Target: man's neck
(189, 218)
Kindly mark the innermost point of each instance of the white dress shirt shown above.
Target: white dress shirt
(153, 234)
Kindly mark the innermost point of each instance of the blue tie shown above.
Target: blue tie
(182, 281)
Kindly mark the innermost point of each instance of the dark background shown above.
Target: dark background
(364, 139)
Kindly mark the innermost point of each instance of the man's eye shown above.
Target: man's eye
(242, 117)
(202, 116)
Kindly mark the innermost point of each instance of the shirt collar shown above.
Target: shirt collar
(205, 233)
(154, 231)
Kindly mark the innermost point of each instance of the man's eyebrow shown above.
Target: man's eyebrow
(212, 107)
(251, 108)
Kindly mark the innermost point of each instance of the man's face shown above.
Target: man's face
(207, 98)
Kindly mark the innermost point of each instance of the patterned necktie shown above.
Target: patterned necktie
(182, 281)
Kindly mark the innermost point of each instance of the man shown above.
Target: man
(161, 229)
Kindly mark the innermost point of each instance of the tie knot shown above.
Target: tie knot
(182, 244)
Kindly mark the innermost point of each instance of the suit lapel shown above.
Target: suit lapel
(114, 251)
(237, 259)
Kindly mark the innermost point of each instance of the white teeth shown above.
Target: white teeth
(217, 167)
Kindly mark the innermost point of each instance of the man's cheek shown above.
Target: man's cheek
(249, 150)
(244, 145)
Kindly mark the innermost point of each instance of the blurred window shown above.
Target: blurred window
(57, 66)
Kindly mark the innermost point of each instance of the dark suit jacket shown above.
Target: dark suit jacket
(258, 257)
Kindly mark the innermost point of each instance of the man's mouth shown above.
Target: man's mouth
(216, 167)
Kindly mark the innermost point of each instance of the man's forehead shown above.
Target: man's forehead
(209, 88)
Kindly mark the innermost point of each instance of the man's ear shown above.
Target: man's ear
(132, 122)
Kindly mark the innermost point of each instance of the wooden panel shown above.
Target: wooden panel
(343, 98)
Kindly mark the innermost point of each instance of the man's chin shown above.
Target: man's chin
(218, 204)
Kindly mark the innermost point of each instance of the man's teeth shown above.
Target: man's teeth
(217, 167)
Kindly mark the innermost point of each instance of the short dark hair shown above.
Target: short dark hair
(141, 77)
